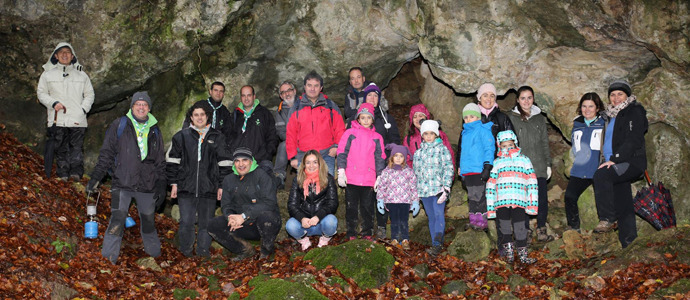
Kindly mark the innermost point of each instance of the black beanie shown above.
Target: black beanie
(620, 85)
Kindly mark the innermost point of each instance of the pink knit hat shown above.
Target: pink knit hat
(485, 88)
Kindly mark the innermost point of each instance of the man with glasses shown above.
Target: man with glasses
(287, 93)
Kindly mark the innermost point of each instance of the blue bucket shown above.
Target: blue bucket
(129, 222)
(91, 230)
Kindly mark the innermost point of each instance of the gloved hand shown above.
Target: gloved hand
(486, 172)
(443, 195)
(415, 208)
(380, 206)
(342, 179)
(376, 184)
(548, 173)
(92, 185)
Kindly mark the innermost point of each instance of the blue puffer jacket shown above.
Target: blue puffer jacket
(587, 142)
(478, 147)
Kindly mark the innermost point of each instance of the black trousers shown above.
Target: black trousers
(576, 186)
(511, 221)
(69, 156)
(265, 228)
(359, 201)
(614, 198)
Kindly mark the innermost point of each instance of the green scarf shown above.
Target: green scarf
(142, 132)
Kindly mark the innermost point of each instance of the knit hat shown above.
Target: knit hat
(371, 88)
(620, 85)
(429, 125)
(242, 152)
(140, 96)
(507, 135)
(365, 108)
(394, 148)
(485, 88)
(471, 109)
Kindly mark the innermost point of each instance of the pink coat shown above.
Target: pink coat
(361, 154)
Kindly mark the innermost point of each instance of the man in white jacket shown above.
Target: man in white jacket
(63, 86)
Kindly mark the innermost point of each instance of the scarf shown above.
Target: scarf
(213, 123)
(485, 111)
(312, 178)
(612, 111)
(202, 134)
(397, 167)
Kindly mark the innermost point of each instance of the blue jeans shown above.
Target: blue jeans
(190, 208)
(437, 219)
(326, 227)
(400, 214)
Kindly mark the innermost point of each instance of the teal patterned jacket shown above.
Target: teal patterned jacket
(433, 167)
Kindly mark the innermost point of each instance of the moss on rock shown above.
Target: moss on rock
(283, 289)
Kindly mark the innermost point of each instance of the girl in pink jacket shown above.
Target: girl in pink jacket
(361, 158)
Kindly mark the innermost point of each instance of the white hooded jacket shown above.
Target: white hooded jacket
(67, 85)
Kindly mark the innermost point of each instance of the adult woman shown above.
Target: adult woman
(530, 127)
(418, 114)
(625, 160)
(588, 129)
(313, 202)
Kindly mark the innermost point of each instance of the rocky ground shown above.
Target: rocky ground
(43, 254)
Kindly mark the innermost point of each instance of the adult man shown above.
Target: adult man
(287, 93)
(354, 97)
(197, 162)
(250, 209)
(63, 86)
(220, 117)
(315, 123)
(133, 148)
(254, 128)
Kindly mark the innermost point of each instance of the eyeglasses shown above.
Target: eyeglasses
(283, 93)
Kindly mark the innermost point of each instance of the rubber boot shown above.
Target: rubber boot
(506, 251)
(523, 255)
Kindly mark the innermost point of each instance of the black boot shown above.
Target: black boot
(247, 250)
(506, 252)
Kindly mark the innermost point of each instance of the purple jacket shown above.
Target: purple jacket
(398, 186)
(361, 154)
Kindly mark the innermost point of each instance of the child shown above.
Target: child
(361, 158)
(510, 193)
(433, 167)
(476, 158)
(397, 188)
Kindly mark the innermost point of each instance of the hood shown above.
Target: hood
(418, 108)
(535, 110)
(506, 135)
(251, 168)
(478, 123)
(53, 62)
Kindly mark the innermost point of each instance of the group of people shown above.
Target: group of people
(216, 155)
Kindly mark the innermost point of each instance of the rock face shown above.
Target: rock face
(176, 48)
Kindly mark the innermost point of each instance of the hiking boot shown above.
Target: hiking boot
(604, 226)
(247, 251)
(380, 233)
(305, 242)
(64, 178)
(523, 255)
(323, 241)
(573, 228)
(279, 181)
(405, 245)
(434, 250)
(543, 236)
(506, 252)
(75, 177)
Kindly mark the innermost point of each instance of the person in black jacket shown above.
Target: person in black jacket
(220, 117)
(133, 149)
(254, 128)
(313, 202)
(197, 162)
(250, 209)
(625, 161)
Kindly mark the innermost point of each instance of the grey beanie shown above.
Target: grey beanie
(139, 96)
(242, 152)
(620, 85)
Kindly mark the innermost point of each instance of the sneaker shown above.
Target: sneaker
(64, 178)
(323, 241)
(434, 250)
(543, 235)
(604, 226)
(395, 243)
(380, 233)
(405, 245)
(305, 242)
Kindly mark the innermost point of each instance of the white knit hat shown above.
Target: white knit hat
(429, 125)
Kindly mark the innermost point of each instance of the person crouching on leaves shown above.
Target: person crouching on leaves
(433, 167)
(361, 158)
(511, 194)
(397, 192)
(313, 202)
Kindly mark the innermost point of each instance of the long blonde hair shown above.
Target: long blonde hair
(323, 169)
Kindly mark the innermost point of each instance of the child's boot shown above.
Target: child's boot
(506, 251)
(323, 241)
(543, 235)
(380, 233)
(523, 255)
(305, 242)
(482, 222)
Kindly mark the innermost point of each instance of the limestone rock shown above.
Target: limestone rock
(455, 287)
(470, 245)
(149, 263)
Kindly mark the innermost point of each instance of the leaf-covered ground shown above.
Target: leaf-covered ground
(43, 252)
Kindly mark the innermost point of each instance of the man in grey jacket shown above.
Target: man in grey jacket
(287, 93)
(63, 86)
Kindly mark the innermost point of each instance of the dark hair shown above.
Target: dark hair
(355, 68)
(523, 114)
(244, 86)
(313, 75)
(202, 105)
(217, 83)
(594, 97)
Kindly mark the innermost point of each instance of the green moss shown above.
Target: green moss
(337, 282)
(420, 285)
(682, 286)
(180, 294)
(213, 284)
(517, 280)
(458, 286)
(493, 277)
(254, 282)
(365, 262)
(281, 289)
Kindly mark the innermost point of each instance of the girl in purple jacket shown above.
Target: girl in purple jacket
(360, 160)
(397, 193)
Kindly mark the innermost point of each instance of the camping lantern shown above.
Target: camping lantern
(91, 227)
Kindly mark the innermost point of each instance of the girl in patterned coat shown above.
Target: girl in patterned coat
(397, 193)
(433, 167)
(511, 194)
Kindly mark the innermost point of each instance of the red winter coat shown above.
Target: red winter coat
(316, 126)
